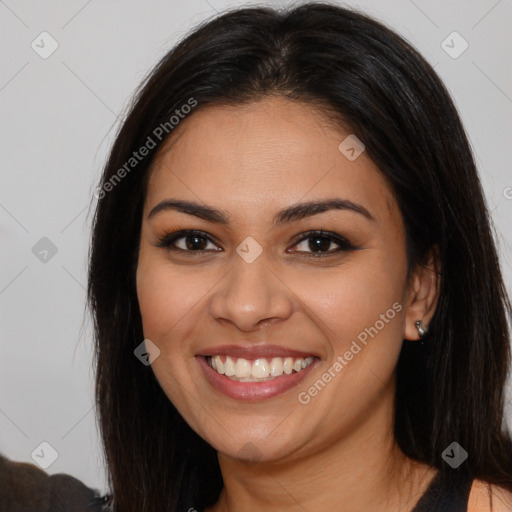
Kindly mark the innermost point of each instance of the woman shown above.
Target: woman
(296, 293)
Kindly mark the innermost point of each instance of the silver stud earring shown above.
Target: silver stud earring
(422, 330)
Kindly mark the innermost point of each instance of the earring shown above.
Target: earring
(422, 330)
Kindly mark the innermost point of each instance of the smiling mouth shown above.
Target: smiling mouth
(257, 370)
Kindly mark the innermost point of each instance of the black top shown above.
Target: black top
(449, 494)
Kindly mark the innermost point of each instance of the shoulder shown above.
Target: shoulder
(66, 490)
(482, 494)
(24, 486)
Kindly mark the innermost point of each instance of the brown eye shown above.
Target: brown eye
(319, 243)
(315, 243)
(193, 241)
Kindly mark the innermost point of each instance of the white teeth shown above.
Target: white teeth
(243, 368)
(219, 365)
(276, 367)
(259, 370)
(229, 367)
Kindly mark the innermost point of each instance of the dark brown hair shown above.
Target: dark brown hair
(393, 101)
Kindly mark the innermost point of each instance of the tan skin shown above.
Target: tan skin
(277, 454)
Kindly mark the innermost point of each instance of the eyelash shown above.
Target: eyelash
(167, 240)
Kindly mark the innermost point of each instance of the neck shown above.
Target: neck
(361, 469)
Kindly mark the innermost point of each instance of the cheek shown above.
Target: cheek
(170, 300)
(358, 309)
(352, 297)
(164, 298)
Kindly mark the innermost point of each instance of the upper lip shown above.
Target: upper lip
(254, 351)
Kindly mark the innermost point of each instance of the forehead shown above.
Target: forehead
(266, 154)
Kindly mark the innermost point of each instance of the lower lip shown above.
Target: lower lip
(253, 390)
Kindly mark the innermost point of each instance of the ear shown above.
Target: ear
(422, 294)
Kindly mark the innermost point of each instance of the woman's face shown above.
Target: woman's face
(268, 294)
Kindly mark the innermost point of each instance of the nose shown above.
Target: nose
(251, 295)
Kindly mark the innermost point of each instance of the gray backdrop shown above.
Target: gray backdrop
(59, 107)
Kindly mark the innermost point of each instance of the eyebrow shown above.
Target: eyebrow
(286, 215)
